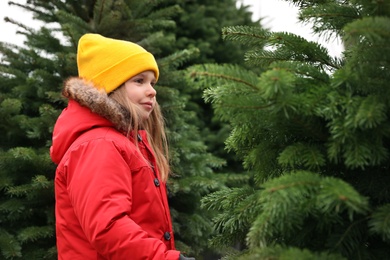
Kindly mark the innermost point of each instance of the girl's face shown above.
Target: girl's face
(140, 90)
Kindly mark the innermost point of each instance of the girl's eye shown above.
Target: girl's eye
(139, 81)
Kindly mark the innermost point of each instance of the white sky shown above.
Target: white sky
(281, 16)
(278, 15)
(8, 30)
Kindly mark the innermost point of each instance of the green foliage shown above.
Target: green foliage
(380, 222)
(200, 25)
(237, 207)
(282, 253)
(10, 248)
(27, 203)
(302, 155)
(313, 132)
(288, 202)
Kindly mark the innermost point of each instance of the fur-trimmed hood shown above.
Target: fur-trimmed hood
(87, 108)
(97, 101)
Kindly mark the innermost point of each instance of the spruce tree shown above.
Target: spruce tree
(313, 133)
(199, 25)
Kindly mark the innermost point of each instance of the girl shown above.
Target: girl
(110, 147)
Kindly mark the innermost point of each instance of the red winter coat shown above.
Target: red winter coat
(110, 203)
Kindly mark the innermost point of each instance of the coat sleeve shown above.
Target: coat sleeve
(99, 187)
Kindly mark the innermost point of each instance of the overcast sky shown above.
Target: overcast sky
(281, 16)
(277, 15)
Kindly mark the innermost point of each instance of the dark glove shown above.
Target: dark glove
(182, 257)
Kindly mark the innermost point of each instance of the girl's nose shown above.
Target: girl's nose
(151, 92)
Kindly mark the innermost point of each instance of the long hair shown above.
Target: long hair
(154, 126)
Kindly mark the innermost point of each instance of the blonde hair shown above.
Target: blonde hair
(154, 126)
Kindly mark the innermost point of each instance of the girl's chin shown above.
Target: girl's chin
(145, 115)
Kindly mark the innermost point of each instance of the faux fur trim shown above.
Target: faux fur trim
(97, 100)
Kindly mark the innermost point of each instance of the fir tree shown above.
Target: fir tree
(313, 133)
(199, 25)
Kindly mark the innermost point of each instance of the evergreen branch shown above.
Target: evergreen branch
(292, 193)
(329, 16)
(34, 233)
(12, 207)
(304, 71)
(202, 185)
(263, 58)
(299, 153)
(295, 47)
(72, 26)
(224, 77)
(322, 12)
(278, 252)
(6, 48)
(143, 10)
(374, 29)
(28, 29)
(247, 107)
(166, 13)
(344, 236)
(370, 113)
(11, 106)
(297, 196)
(31, 9)
(41, 182)
(248, 35)
(338, 196)
(178, 58)
(289, 185)
(380, 222)
(22, 153)
(9, 246)
(226, 198)
(20, 191)
(299, 49)
(100, 9)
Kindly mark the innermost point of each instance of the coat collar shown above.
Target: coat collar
(87, 95)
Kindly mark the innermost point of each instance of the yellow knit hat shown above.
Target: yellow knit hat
(108, 63)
